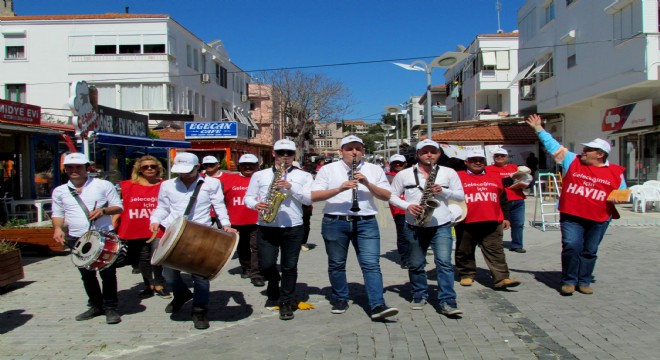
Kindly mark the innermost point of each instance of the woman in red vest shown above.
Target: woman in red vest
(584, 208)
(140, 197)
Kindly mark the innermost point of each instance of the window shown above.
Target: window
(152, 97)
(204, 63)
(196, 103)
(215, 111)
(15, 92)
(195, 59)
(105, 49)
(189, 102)
(549, 12)
(528, 26)
(189, 55)
(488, 60)
(129, 49)
(171, 98)
(107, 95)
(627, 22)
(502, 60)
(571, 57)
(203, 106)
(217, 73)
(569, 2)
(223, 77)
(547, 71)
(130, 97)
(15, 52)
(154, 48)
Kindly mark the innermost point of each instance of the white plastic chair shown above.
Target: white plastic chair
(635, 196)
(649, 194)
(655, 183)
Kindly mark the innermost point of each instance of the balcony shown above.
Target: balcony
(121, 57)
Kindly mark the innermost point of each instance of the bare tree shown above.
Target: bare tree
(306, 97)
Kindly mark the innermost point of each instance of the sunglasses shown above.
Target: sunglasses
(146, 167)
(285, 152)
(424, 152)
(476, 160)
(396, 163)
(588, 149)
(500, 155)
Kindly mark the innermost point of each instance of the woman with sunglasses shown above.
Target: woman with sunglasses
(140, 196)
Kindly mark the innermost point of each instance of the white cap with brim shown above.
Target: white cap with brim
(397, 157)
(248, 158)
(350, 139)
(599, 144)
(296, 164)
(474, 153)
(76, 159)
(210, 160)
(427, 142)
(284, 144)
(501, 151)
(184, 163)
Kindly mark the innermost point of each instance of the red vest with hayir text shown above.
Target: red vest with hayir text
(482, 196)
(139, 202)
(393, 209)
(234, 187)
(585, 189)
(505, 172)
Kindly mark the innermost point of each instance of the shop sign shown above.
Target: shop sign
(83, 106)
(628, 116)
(215, 130)
(121, 122)
(19, 112)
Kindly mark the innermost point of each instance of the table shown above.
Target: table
(38, 203)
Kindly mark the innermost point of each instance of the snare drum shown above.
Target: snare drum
(195, 248)
(95, 250)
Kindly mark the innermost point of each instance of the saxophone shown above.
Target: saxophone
(274, 197)
(428, 201)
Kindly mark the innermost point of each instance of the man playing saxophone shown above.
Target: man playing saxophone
(427, 188)
(278, 194)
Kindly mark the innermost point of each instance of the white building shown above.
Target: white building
(581, 62)
(148, 64)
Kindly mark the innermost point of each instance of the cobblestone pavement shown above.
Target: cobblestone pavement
(621, 320)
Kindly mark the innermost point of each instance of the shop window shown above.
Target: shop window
(44, 169)
(105, 49)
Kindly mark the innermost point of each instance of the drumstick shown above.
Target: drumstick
(91, 222)
(153, 236)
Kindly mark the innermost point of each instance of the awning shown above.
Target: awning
(242, 118)
(30, 129)
(228, 115)
(488, 58)
(536, 69)
(635, 131)
(520, 76)
(138, 141)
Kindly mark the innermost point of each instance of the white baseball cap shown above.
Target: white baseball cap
(248, 158)
(427, 142)
(296, 164)
(350, 139)
(284, 144)
(473, 153)
(210, 160)
(76, 159)
(501, 151)
(397, 157)
(599, 144)
(184, 163)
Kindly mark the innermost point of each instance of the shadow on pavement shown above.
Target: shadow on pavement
(129, 300)
(219, 308)
(15, 286)
(12, 319)
(551, 279)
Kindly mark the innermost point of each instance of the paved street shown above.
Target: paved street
(620, 321)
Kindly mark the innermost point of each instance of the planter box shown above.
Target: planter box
(11, 268)
(33, 236)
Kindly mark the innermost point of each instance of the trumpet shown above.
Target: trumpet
(355, 207)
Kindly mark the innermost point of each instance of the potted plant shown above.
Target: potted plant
(11, 267)
(17, 230)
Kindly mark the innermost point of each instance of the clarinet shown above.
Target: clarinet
(355, 207)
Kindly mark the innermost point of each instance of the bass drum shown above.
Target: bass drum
(95, 250)
(195, 248)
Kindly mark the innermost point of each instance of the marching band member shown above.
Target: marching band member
(280, 226)
(432, 230)
(173, 199)
(243, 219)
(101, 200)
(342, 226)
(397, 163)
(211, 167)
(487, 217)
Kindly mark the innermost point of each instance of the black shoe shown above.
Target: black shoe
(112, 316)
(285, 312)
(91, 313)
(146, 293)
(383, 311)
(339, 307)
(518, 250)
(177, 303)
(199, 319)
(258, 282)
(273, 290)
(162, 292)
(244, 275)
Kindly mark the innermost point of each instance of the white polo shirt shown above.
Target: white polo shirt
(290, 211)
(331, 176)
(174, 196)
(95, 194)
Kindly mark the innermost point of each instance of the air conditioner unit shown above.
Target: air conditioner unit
(206, 78)
(527, 92)
(243, 98)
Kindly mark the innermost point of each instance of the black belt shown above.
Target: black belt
(350, 217)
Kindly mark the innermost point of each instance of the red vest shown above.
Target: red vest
(505, 172)
(139, 201)
(234, 187)
(393, 209)
(585, 189)
(482, 196)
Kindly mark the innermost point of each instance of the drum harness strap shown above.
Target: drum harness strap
(193, 199)
(85, 210)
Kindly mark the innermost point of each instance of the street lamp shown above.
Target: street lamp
(446, 60)
(395, 110)
(387, 129)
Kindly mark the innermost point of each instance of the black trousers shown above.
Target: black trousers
(105, 296)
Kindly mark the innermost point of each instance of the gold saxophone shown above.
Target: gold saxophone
(274, 197)
(428, 201)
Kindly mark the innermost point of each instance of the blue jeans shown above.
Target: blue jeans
(402, 246)
(517, 223)
(201, 287)
(365, 237)
(440, 240)
(579, 239)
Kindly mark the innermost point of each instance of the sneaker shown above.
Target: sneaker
(506, 283)
(466, 281)
(285, 312)
(91, 313)
(450, 310)
(339, 307)
(567, 290)
(258, 282)
(199, 319)
(112, 316)
(383, 311)
(146, 293)
(304, 247)
(177, 303)
(417, 304)
(585, 289)
(518, 250)
(162, 292)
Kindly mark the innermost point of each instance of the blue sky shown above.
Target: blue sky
(266, 34)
